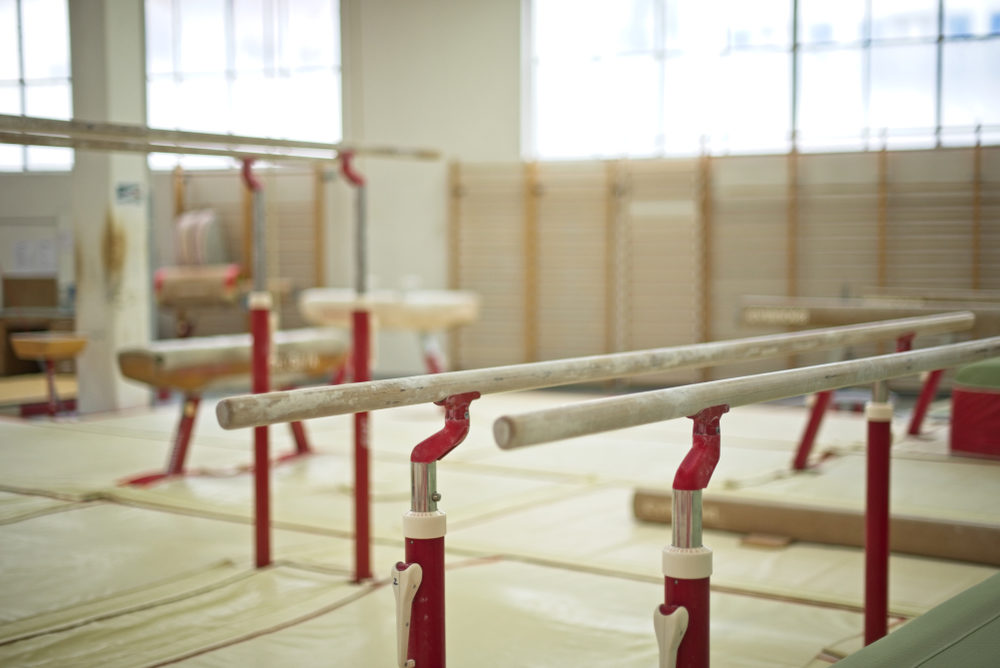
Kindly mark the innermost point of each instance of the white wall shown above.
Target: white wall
(432, 73)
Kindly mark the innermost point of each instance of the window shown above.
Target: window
(34, 76)
(265, 68)
(673, 77)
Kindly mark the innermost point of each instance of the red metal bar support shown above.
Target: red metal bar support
(426, 645)
(927, 394)
(424, 528)
(821, 402)
(182, 439)
(301, 440)
(260, 316)
(877, 521)
(687, 563)
(362, 503)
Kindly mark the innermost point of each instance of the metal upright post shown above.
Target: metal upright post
(260, 330)
(879, 414)
(682, 622)
(360, 366)
(419, 581)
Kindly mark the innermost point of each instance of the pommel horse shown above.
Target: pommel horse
(49, 348)
(424, 311)
(196, 365)
(420, 622)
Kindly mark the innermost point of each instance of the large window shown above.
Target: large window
(34, 76)
(266, 68)
(672, 77)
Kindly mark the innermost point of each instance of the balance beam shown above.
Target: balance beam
(973, 542)
(826, 312)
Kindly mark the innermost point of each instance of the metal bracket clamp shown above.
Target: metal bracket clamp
(456, 428)
(406, 580)
(670, 623)
(697, 467)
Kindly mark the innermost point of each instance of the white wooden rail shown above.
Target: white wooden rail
(599, 415)
(314, 402)
(27, 130)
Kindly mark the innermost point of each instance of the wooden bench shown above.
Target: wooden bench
(196, 365)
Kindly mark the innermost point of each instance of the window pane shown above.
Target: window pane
(971, 86)
(8, 41)
(759, 23)
(202, 104)
(821, 21)
(756, 99)
(10, 99)
(307, 37)
(964, 18)
(49, 158)
(47, 100)
(11, 158)
(159, 37)
(312, 108)
(689, 108)
(902, 86)
(253, 97)
(598, 27)
(692, 25)
(251, 42)
(203, 36)
(45, 28)
(904, 18)
(597, 108)
(831, 108)
(161, 104)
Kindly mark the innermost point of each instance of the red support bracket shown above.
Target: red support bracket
(821, 403)
(347, 169)
(456, 428)
(904, 343)
(927, 394)
(699, 464)
(251, 181)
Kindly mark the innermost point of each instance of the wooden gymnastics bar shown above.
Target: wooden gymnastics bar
(307, 403)
(27, 130)
(682, 621)
(599, 415)
(829, 311)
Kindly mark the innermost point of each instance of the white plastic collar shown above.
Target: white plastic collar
(260, 300)
(687, 563)
(878, 412)
(424, 525)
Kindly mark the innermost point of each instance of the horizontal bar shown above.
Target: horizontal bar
(313, 402)
(152, 147)
(829, 311)
(33, 131)
(599, 415)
